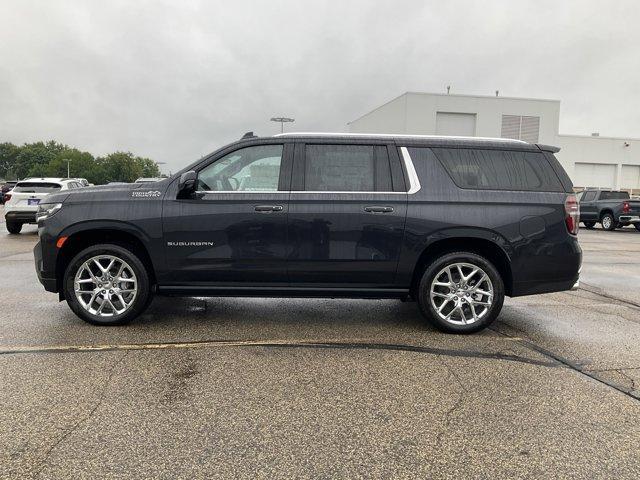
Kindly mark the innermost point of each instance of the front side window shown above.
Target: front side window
(250, 169)
(340, 168)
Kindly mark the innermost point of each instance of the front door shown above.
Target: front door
(234, 230)
(588, 206)
(346, 215)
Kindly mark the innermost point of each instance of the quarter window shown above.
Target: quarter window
(250, 169)
(589, 196)
(499, 169)
(346, 168)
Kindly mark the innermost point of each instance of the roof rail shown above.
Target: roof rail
(397, 135)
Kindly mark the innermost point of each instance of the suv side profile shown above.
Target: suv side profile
(452, 223)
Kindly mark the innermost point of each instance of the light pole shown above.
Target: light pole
(68, 160)
(282, 121)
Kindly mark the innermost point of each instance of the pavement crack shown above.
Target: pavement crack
(354, 345)
(43, 463)
(457, 404)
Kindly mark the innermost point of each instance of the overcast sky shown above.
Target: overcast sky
(175, 80)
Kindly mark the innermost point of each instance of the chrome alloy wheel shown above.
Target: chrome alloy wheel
(105, 285)
(461, 293)
(606, 222)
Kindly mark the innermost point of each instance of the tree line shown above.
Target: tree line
(49, 159)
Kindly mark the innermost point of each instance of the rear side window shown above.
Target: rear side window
(499, 169)
(614, 196)
(36, 187)
(346, 168)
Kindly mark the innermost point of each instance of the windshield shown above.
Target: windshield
(36, 187)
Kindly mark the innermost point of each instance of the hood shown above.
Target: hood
(115, 191)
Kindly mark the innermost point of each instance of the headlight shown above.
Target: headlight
(45, 210)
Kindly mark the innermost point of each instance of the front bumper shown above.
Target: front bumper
(629, 218)
(49, 283)
(18, 216)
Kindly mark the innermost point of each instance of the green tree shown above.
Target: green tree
(8, 157)
(125, 167)
(81, 165)
(33, 158)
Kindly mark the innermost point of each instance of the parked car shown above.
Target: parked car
(83, 182)
(6, 188)
(454, 224)
(22, 203)
(612, 209)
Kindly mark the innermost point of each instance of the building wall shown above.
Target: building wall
(416, 113)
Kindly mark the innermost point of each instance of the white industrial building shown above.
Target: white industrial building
(591, 161)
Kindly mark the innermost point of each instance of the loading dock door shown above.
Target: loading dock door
(601, 175)
(456, 124)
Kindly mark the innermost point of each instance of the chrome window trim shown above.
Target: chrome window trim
(414, 181)
(414, 184)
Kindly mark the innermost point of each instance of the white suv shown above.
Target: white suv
(21, 204)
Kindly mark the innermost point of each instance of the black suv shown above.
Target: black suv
(453, 223)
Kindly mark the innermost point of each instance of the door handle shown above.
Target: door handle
(268, 208)
(378, 209)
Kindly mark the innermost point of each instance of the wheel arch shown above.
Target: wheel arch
(79, 239)
(487, 248)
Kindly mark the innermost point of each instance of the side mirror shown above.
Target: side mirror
(187, 184)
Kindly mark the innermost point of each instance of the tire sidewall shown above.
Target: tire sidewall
(612, 224)
(424, 300)
(13, 227)
(142, 296)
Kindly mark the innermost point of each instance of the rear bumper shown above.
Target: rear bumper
(18, 216)
(629, 218)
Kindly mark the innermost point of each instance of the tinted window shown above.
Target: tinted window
(342, 168)
(36, 187)
(250, 169)
(588, 196)
(499, 169)
(614, 196)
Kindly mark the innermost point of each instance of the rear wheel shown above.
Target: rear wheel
(14, 227)
(461, 292)
(589, 225)
(107, 284)
(637, 225)
(608, 222)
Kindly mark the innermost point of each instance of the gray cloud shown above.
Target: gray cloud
(174, 80)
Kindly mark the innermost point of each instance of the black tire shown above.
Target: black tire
(142, 297)
(589, 225)
(637, 225)
(608, 222)
(424, 293)
(14, 227)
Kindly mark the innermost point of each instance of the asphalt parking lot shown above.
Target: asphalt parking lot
(281, 388)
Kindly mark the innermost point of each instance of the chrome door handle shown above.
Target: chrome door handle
(378, 209)
(268, 208)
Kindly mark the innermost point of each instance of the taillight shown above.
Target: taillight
(7, 197)
(626, 208)
(572, 214)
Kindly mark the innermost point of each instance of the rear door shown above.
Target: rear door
(347, 212)
(233, 231)
(588, 207)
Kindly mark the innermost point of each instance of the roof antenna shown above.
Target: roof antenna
(248, 135)
(448, 89)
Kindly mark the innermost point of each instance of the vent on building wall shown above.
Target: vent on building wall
(521, 127)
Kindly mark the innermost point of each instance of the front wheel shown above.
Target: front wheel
(107, 284)
(461, 292)
(637, 225)
(608, 222)
(14, 227)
